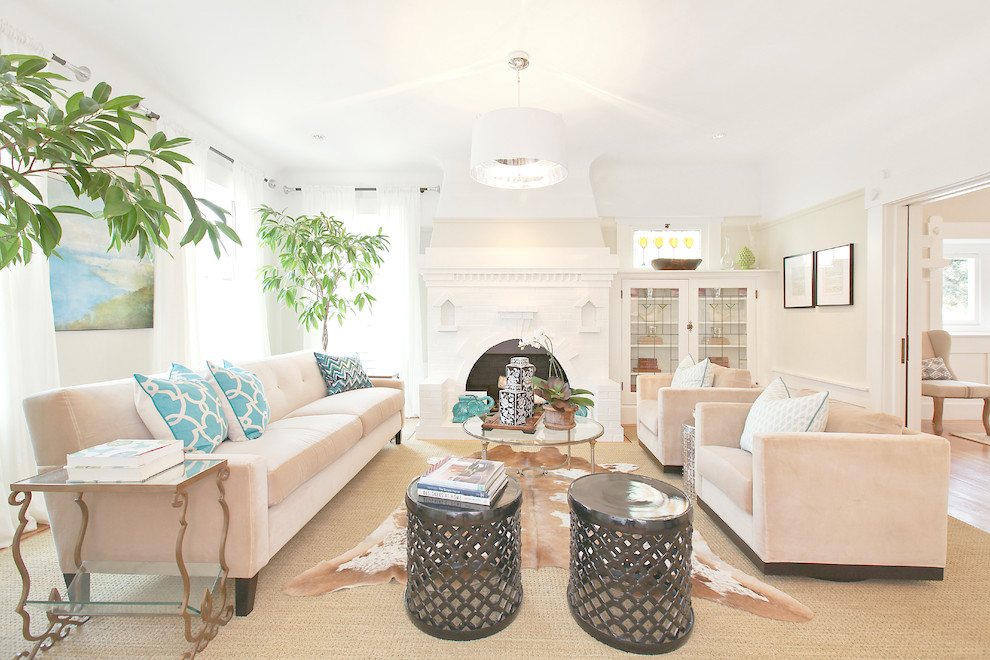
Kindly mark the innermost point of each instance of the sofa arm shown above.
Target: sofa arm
(394, 383)
(143, 526)
(720, 424)
(851, 498)
(647, 385)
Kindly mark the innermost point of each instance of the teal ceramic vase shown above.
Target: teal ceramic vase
(745, 259)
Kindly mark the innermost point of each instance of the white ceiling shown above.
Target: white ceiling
(396, 85)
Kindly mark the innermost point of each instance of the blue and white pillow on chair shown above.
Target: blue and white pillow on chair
(244, 402)
(775, 410)
(689, 374)
(342, 373)
(184, 406)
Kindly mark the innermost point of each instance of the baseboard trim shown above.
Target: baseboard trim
(834, 572)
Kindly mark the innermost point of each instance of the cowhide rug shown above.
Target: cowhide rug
(381, 557)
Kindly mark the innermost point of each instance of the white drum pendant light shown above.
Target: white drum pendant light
(518, 147)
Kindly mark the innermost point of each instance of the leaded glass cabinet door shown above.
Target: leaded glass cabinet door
(724, 325)
(657, 314)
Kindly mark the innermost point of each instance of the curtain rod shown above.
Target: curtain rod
(272, 183)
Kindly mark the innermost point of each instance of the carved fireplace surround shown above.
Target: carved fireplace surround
(477, 297)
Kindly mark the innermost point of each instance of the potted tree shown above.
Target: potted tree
(322, 270)
(98, 145)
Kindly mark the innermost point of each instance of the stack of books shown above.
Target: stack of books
(463, 481)
(124, 460)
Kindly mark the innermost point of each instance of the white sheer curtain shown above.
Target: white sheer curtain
(176, 337)
(249, 190)
(28, 355)
(396, 314)
(388, 337)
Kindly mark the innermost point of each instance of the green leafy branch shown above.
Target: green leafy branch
(88, 142)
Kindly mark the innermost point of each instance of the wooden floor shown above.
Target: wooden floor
(969, 483)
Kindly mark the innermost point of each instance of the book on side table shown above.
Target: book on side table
(468, 480)
(124, 460)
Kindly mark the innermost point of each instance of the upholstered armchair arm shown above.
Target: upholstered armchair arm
(820, 494)
(720, 424)
(677, 406)
(647, 385)
(143, 526)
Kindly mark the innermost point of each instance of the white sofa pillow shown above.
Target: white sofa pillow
(689, 374)
(775, 410)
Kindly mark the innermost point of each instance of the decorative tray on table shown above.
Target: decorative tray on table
(490, 422)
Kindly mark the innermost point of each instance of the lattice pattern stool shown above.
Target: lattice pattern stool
(630, 569)
(463, 565)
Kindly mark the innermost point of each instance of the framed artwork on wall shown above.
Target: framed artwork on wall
(834, 276)
(93, 288)
(799, 281)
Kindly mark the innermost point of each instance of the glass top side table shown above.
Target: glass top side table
(585, 431)
(81, 602)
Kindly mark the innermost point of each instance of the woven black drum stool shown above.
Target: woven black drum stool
(630, 581)
(463, 565)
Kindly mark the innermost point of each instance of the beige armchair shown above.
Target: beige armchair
(840, 504)
(938, 343)
(661, 410)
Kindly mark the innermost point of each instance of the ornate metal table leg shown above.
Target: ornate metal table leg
(209, 624)
(484, 449)
(592, 445)
(58, 625)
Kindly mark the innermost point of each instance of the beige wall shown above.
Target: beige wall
(821, 347)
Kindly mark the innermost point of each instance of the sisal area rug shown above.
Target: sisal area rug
(545, 518)
(873, 619)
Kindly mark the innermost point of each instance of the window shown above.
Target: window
(959, 286)
(650, 244)
(965, 290)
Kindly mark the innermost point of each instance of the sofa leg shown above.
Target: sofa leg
(937, 416)
(398, 436)
(244, 590)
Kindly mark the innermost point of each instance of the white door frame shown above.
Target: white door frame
(902, 298)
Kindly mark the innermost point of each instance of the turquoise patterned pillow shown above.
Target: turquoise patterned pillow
(342, 373)
(776, 411)
(689, 374)
(247, 408)
(185, 407)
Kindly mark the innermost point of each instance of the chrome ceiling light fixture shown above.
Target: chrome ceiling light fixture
(518, 147)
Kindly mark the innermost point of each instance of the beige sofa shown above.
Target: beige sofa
(313, 445)
(662, 410)
(864, 498)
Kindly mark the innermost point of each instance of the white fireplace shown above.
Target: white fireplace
(489, 281)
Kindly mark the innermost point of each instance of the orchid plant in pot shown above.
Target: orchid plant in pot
(562, 401)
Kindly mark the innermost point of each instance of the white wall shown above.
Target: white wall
(821, 347)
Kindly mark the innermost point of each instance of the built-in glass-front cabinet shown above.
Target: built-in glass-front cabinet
(665, 319)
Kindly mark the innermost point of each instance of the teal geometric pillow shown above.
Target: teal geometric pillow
(185, 407)
(245, 398)
(689, 374)
(342, 373)
(776, 411)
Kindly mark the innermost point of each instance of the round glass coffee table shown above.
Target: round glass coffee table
(585, 431)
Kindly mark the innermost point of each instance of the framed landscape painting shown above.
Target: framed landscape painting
(93, 289)
(799, 281)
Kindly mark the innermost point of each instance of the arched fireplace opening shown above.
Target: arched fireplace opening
(486, 371)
